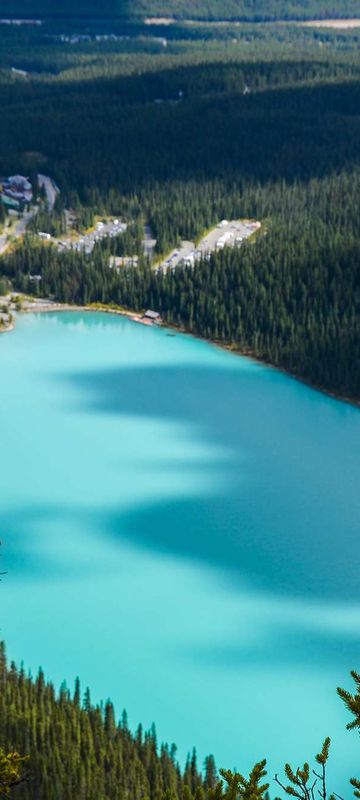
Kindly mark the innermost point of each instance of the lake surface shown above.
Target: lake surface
(181, 530)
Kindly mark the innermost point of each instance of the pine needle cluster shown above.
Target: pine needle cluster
(352, 703)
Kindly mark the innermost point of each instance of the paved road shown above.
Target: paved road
(178, 256)
(86, 243)
(19, 230)
(51, 190)
(148, 242)
(3, 243)
(21, 226)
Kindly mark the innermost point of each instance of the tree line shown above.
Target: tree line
(290, 297)
(181, 146)
(75, 750)
(185, 9)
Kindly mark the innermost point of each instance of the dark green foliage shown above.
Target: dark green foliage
(210, 773)
(78, 751)
(287, 153)
(352, 703)
(241, 788)
(292, 297)
(305, 783)
(11, 771)
(356, 785)
(2, 214)
(198, 9)
(48, 223)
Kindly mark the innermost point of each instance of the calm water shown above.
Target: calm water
(181, 529)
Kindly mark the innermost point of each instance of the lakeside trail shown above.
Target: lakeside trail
(42, 306)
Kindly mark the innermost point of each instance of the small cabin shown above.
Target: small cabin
(152, 316)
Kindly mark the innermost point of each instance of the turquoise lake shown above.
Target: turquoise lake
(180, 528)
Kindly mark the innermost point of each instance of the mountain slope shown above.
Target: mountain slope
(78, 750)
(182, 9)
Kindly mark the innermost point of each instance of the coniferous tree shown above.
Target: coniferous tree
(352, 703)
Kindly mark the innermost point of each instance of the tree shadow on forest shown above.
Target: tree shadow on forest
(291, 133)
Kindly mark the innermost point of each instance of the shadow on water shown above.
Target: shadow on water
(287, 516)
(285, 645)
(299, 637)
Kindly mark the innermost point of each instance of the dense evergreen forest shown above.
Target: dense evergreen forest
(178, 127)
(72, 749)
(264, 125)
(182, 9)
(291, 298)
(77, 750)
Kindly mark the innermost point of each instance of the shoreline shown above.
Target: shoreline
(134, 316)
(46, 308)
(8, 328)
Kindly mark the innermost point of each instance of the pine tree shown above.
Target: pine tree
(210, 772)
(352, 703)
(305, 783)
(238, 787)
(11, 771)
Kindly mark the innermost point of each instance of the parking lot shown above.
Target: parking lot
(226, 234)
(87, 242)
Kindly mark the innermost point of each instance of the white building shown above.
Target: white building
(18, 188)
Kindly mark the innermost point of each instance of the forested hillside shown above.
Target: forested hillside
(265, 126)
(183, 9)
(78, 750)
(72, 749)
(292, 298)
(177, 129)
